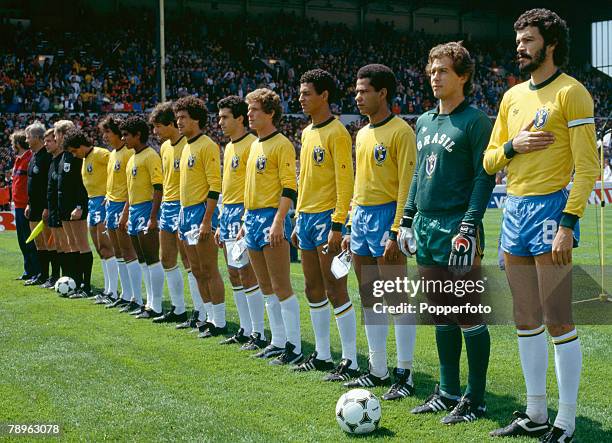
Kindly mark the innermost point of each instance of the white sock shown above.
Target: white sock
(290, 310)
(275, 317)
(208, 310)
(533, 351)
(320, 316)
(176, 289)
(126, 284)
(243, 310)
(135, 273)
(105, 274)
(219, 315)
(377, 328)
(198, 304)
(405, 338)
(156, 275)
(146, 276)
(346, 320)
(112, 269)
(568, 363)
(255, 301)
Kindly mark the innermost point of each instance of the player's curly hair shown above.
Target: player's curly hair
(136, 125)
(195, 108)
(19, 138)
(75, 138)
(322, 81)
(380, 76)
(111, 123)
(163, 114)
(270, 102)
(553, 28)
(237, 106)
(463, 64)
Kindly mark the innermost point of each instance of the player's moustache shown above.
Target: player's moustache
(521, 55)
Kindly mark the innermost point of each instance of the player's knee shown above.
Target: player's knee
(314, 292)
(558, 330)
(337, 298)
(168, 262)
(234, 277)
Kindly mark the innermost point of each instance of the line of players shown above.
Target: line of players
(422, 195)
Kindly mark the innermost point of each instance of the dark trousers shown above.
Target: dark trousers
(28, 250)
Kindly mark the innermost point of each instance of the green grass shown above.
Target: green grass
(106, 376)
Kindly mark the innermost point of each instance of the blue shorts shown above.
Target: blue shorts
(313, 228)
(370, 229)
(191, 217)
(169, 218)
(257, 225)
(138, 217)
(96, 211)
(113, 214)
(231, 221)
(530, 223)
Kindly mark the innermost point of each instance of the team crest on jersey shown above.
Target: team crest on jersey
(134, 171)
(260, 164)
(177, 164)
(541, 118)
(117, 166)
(191, 161)
(90, 168)
(380, 154)
(430, 163)
(66, 167)
(318, 155)
(235, 162)
(35, 169)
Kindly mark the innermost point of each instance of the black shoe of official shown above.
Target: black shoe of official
(288, 357)
(403, 386)
(556, 435)
(342, 372)
(79, 293)
(49, 283)
(148, 314)
(255, 343)
(237, 338)
(269, 351)
(171, 317)
(312, 363)
(23, 277)
(35, 281)
(522, 425)
(191, 322)
(368, 380)
(435, 403)
(138, 310)
(213, 331)
(129, 307)
(464, 412)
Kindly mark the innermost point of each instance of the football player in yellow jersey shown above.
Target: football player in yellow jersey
(249, 300)
(200, 187)
(324, 196)
(385, 159)
(544, 131)
(144, 183)
(270, 189)
(116, 199)
(164, 126)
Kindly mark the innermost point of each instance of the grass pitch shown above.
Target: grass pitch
(106, 376)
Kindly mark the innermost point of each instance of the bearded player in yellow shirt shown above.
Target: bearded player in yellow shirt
(144, 182)
(385, 154)
(200, 187)
(324, 196)
(544, 132)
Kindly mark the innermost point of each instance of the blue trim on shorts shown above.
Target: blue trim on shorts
(370, 229)
(113, 214)
(312, 229)
(138, 217)
(192, 216)
(96, 211)
(169, 218)
(257, 225)
(230, 221)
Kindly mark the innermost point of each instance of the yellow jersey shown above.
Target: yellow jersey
(326, 170)
(560, 105)
(94, 171)
(171, 161)
(269, 170)
(116, 179)
(143, 170)
(234, 168)
(200, 170)
(385, 157)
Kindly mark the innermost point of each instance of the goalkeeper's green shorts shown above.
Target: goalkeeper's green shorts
(434, 238)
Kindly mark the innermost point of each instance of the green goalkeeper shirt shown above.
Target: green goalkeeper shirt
(449, 176)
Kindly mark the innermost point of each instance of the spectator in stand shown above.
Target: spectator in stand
(31, 268)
